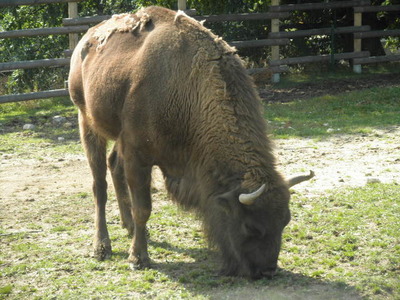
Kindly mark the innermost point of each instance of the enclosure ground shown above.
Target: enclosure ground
(46, 222)
(285, 93)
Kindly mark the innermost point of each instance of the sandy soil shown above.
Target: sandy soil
(343, 160)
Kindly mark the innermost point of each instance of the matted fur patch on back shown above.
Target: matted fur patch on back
(119, 23)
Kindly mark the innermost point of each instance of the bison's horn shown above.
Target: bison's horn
(248, 199)
(295, 180)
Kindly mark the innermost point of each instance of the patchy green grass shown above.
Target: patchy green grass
(349, 236)
(47, 135)
(344, 245)
(353, 112)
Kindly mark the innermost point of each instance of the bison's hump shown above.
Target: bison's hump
(119, 23)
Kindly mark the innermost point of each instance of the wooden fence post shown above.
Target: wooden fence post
(182, 5)
(275, 49)
(357, 42)
(73, 13)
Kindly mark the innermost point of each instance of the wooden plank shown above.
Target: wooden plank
(376, 59)
(208, 18)
(317, 31)
(34, 96)
(73, 38)
(85, 20)
(319, 58)
(30, 64)
(315, 6)
(279, 69)
(377, 33)
(5, 3)
(42, 31)
(276, 69)
(182, 4)
(67, 53)
(241, 17)
(357, 43)
(259, 43)
(275, 51)
(377, 8)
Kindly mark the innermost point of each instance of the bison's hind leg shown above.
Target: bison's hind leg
(138, 178)
(95, 148)
(116, 166)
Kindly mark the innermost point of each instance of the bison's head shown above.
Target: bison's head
(248, 229)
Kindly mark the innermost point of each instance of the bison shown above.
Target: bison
(172, 94)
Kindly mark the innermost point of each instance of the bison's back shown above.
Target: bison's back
(126, 65)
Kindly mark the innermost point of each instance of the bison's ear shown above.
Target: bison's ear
(226, 201)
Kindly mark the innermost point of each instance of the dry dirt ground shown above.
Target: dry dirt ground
(338, 161)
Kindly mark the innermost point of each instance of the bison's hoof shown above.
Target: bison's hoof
(129, 227)
(139, 264)
(102, 252)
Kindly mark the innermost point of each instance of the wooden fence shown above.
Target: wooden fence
(359, 32)
(73, 32)
(74, 25)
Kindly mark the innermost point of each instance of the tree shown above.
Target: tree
(51, 15)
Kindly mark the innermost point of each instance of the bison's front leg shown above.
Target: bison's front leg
(138, 177)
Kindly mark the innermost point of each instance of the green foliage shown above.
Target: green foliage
(43, 47)
(51, 15)
(237, 31)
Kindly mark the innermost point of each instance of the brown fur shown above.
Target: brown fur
(172, 94)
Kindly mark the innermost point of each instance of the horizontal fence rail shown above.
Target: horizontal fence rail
(5, 3)
(34, 96)
(85, 20)
(31, 64)
(259, 43)
(377, 33)
(318, 31)
(207, 18)
(43, 31)
(242, 17)
(325, 57)
(377, 8)
(318, 6)
(377, 59)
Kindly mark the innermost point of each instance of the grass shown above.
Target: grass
(341, 244)
(46, 134)
(353, 112)
(349, 234)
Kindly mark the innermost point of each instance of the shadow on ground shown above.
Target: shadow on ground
(201, 278)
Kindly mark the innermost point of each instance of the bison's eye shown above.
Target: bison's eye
(254, 230)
